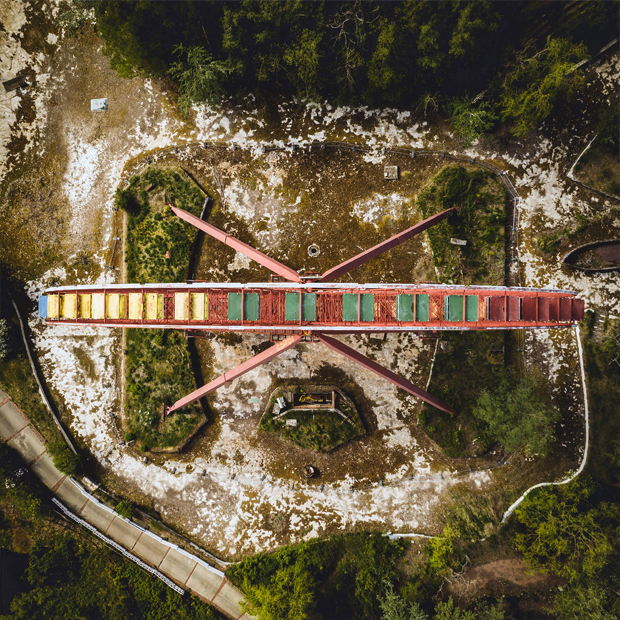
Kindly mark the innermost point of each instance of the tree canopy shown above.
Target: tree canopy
(517, 413)
(536, 79)
(357, 53)
(563, 530)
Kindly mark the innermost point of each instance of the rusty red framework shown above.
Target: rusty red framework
(278, 307)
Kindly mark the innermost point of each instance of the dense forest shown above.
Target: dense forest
(477, 62)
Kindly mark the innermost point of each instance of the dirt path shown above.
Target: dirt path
(499, 578)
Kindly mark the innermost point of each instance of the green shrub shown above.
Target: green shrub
(5, 338)
(129, 436)
(518, 413)
(65, 460)
(125, 509)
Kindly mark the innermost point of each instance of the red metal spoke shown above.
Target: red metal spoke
(244, 248)
(384, 246)
(233, 374)
(392, 377)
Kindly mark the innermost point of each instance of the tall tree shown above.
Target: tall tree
(535, 80)
(517, 413)
(565, 532)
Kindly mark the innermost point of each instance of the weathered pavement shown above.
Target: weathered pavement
(186, 570)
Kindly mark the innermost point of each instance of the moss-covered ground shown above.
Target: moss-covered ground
(481, 201)
(158, 362)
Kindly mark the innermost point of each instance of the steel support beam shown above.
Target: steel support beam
(233, 374)
(392, 377)
(244, 248)
(384, 246)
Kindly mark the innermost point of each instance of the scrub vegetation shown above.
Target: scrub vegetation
(158, 368)
(467, 364)
(473, 61)
(568, 531)
(480, 201)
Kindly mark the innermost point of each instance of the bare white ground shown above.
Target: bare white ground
(379, 208)
(229, 515)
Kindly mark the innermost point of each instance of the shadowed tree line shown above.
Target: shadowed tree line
(478, 61)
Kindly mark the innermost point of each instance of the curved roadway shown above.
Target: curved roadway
(159, 557)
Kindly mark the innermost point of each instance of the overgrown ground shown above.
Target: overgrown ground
(80, 157)
(319, 430)
(17, 380)
(466, 363)
(599, 165)
(158, 362)
(481, 203)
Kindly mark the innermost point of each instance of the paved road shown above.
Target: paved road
(183, 568)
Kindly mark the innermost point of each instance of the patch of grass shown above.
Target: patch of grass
(159, 373)
(158, 368)
(152, 228)
(481, 201)
(461, 372)
(320, 430)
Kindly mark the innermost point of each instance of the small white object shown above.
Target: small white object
(98, 105)
(291, 422)
(454, 241)
(281, 403)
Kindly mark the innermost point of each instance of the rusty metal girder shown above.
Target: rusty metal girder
(384, 246)
(392, 377)
(244, 248)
